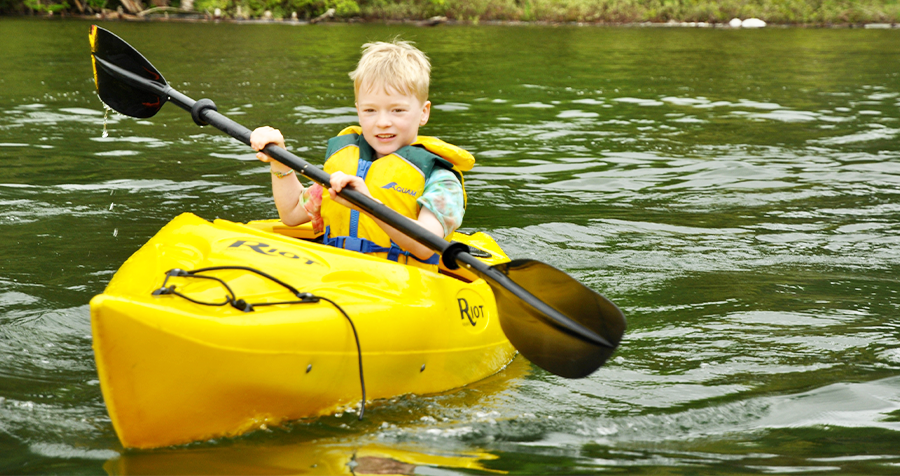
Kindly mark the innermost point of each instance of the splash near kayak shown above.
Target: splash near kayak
(191, 356)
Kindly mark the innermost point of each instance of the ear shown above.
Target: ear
(426, 113)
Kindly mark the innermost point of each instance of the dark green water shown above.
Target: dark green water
(736, 193)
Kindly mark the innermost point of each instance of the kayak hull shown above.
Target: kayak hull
(173, 371)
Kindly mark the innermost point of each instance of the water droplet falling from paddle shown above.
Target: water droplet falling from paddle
(105, 115)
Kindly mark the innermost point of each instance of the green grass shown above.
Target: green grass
(791, 12)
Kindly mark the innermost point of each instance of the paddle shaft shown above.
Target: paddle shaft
(370, 206)
(366, 204)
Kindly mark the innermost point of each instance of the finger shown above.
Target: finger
(337, 181)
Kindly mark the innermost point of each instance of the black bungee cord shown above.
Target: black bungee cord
(244, 306)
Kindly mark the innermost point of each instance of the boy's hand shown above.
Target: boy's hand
(263, 136)
(340, 181)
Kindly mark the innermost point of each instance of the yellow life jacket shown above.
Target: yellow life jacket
(397, 180)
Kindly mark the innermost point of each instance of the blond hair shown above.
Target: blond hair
(397, 64)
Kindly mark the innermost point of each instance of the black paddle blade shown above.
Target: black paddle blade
(116, 93)
(539, 337)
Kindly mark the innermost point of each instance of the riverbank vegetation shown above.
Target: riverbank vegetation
(791, 12)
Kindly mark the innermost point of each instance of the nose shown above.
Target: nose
(383, 120)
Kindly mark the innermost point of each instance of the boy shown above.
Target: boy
(385, 159)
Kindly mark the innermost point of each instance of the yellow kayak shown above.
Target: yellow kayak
(258, 325)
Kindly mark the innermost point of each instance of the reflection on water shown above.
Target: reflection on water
(742, 209)
(309, 458)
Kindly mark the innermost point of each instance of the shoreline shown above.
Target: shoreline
(206, 17)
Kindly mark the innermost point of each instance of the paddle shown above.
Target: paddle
(553, 320)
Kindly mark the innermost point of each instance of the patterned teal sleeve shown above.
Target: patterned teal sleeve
(443, 195)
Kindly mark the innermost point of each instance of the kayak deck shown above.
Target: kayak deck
(175, 370)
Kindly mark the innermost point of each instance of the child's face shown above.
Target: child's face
(390, 119)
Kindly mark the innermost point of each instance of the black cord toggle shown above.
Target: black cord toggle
(241, 305)
(164, 290)
(307, 297)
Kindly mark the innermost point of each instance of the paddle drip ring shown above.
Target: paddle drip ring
(304, 298)
(198, 108)
(448, 257)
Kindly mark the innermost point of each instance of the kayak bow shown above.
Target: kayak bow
(189, 365)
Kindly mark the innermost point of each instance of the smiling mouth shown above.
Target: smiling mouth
(385, 136)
